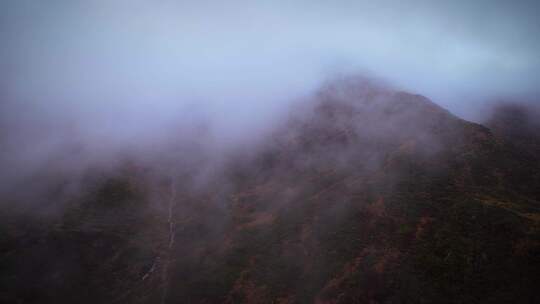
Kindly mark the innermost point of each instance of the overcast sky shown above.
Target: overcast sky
(130, 65)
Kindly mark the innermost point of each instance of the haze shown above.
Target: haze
(131, 73)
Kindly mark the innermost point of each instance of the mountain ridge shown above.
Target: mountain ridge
(376, 196)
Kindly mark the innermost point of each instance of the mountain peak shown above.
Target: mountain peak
(373, 196)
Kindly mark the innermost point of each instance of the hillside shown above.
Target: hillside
(369, 196)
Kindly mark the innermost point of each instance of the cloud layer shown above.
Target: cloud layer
(116, 74)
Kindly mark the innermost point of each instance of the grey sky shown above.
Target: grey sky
(145, 62)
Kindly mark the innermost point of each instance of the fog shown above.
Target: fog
(106, 77)
(196, 151)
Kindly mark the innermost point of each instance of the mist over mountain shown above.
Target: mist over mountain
(269, 151)
(364, 194)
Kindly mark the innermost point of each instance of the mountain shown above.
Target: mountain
(365, 195)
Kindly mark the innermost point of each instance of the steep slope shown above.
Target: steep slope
(372, 196)
(388, 197)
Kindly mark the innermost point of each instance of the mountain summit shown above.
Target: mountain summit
(366, 195)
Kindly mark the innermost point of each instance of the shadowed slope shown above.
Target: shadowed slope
(373, 196)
